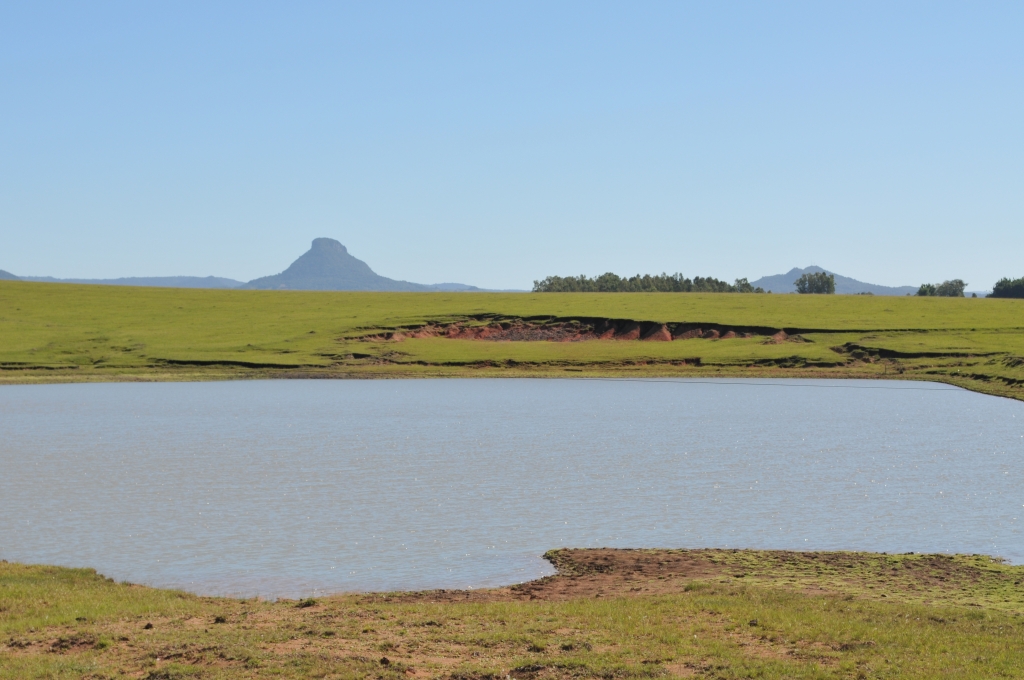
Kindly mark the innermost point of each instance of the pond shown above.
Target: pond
(294, 488)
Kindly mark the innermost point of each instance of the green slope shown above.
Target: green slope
(52, 332)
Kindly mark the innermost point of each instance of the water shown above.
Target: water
(291, 488)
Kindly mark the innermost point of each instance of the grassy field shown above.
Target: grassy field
(607, 614)
(55, 332)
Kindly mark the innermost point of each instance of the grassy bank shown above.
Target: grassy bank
(54, 332)
(608, 613)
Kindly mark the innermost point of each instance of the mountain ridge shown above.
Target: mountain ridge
(151, 281)
(327, 265)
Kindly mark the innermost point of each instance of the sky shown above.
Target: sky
(496, 143)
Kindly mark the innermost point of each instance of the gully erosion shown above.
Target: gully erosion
(576, 330)
(718, 349)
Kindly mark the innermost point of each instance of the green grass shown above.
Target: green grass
(791, 615)
(55, 332)
(36, 597)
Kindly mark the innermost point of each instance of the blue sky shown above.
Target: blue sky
(497, 143)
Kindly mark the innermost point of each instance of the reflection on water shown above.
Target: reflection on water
(287, 488)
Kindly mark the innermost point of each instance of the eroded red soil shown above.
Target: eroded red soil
(577, 331)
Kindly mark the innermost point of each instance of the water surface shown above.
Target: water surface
(289, 488)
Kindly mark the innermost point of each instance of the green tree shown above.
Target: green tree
(743, 286)
(820, 283)
(954, 288)
(1008, 288)
(646, 283)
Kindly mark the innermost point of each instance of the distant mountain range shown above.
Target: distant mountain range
(327, 265)
(155, 281)
(784, 283)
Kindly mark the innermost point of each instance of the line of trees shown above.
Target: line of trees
(819, 283)
(1008, 288)
(663, 283)
(954, 288)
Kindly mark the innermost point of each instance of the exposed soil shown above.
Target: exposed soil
(591, 572)
(616, 572)
(577, 330)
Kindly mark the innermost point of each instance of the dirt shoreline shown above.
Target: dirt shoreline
(626, 572)
(607, 613)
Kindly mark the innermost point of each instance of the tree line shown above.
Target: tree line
(820, 283)
(671, 283)
(1008, 288)
(663, 283)
(1004, 288)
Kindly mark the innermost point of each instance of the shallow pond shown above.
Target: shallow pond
(291, 488)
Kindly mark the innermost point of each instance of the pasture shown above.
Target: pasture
(57, 332)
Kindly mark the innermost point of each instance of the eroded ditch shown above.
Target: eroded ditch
(548, 329)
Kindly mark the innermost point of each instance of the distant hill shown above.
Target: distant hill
(327, 265)
(455, 288)
(155, 281)
(783, 283)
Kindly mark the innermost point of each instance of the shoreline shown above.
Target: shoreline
(586, 572)
(606, 613)
(9, 376)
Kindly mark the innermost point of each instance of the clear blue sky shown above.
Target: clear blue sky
(497, 143)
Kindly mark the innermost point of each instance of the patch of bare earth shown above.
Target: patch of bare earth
(588, 573)
(519, 330)
(613, 572)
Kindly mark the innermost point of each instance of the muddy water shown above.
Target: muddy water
(287, 488)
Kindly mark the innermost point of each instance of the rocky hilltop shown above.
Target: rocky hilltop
(327, 265)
